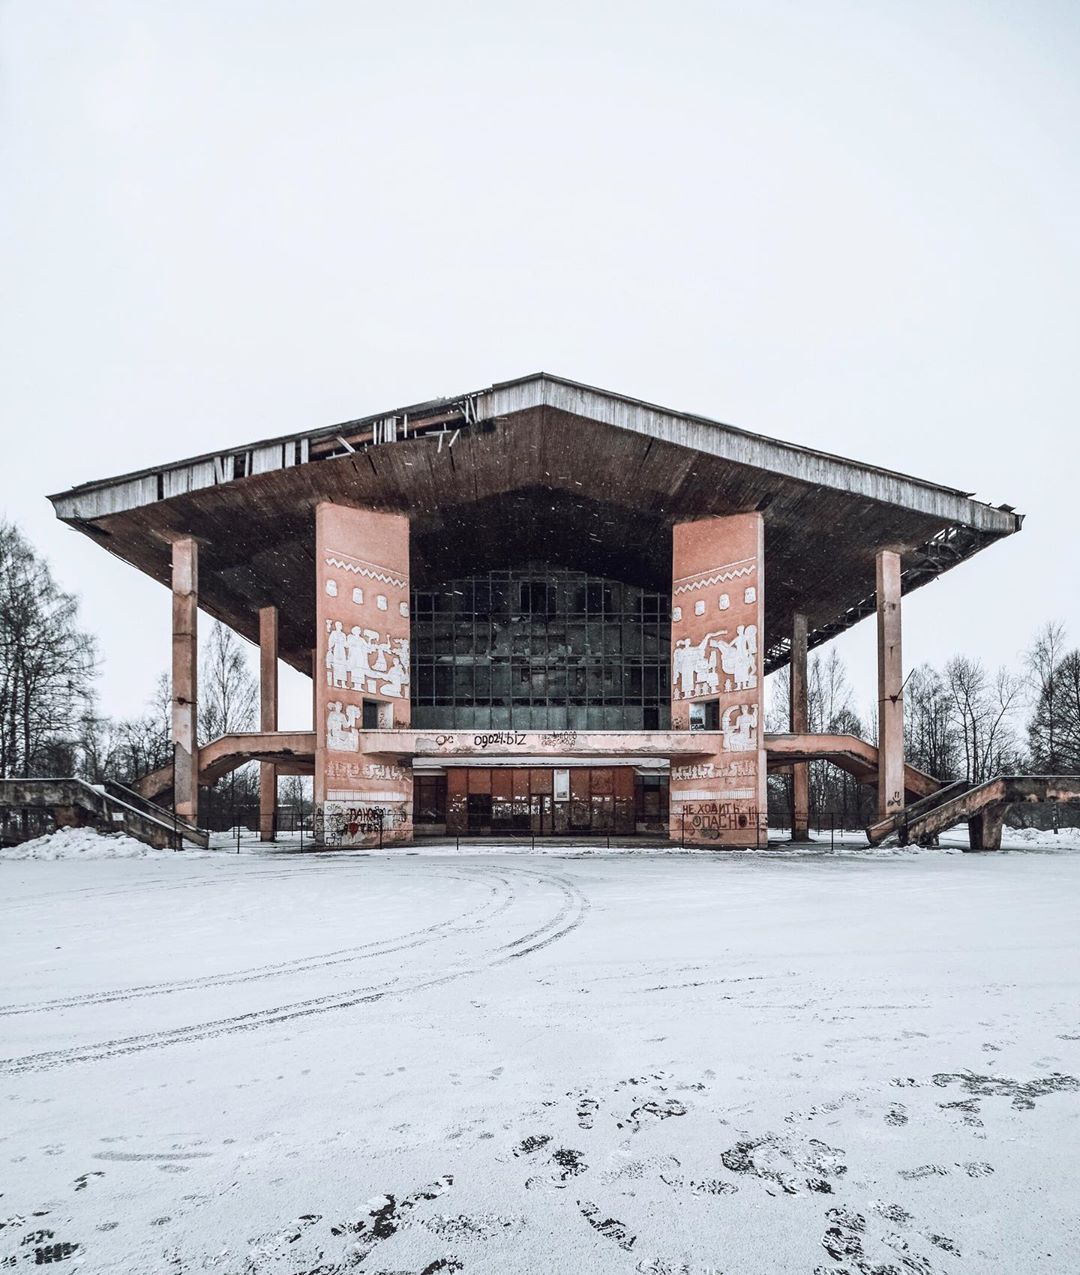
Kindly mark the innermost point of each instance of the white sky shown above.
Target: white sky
(848, 225)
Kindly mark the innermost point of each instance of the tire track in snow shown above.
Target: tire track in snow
(197, 881)
(569, 916)
(300, 965)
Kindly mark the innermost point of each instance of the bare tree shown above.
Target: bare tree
(228, 692)
(1069, 738)
(983, 707)
(47, 664)
(126, 750)
(931, 741)
(1042, 666)
(834, 794)
(228, 702)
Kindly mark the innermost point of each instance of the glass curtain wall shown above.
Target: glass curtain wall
(541, 648)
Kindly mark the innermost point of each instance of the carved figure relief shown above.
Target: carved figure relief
(693, 668)
(337, 660)
(360, 661)
(341, 733)
(739, 725)
(693, 665)
(739, 658)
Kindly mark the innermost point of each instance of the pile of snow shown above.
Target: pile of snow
(83, 843)
(1042, 838)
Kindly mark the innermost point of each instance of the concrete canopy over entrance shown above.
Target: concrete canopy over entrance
(557, 544)
(540, 467)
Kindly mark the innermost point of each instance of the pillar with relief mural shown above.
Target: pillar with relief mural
(717, 680)
(361, 675)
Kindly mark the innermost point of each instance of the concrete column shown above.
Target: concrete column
(717, 654)
(362, 673)
(984, 829)
(799, 724)
(185, 675)
(315, 676)
(890, 686)
(268, 718)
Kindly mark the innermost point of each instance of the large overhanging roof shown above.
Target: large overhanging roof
(538, 469)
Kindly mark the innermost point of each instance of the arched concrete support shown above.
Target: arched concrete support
(185, 676)
(268, 718)
(890, 686)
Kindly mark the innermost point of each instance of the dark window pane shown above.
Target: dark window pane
(540, 647)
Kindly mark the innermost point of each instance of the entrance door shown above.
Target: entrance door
(479, 812)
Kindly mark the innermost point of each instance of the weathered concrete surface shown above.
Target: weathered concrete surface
(985, 807)
(363, 664)
(717, 628)
(75, 803)
(514, 468)
(890, 669)
(799, 721)
(293, 753)
(185, 676)
(268, 714)
(857, 756)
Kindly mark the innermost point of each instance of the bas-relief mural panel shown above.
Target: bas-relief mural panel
(717, 619)
(362, 609)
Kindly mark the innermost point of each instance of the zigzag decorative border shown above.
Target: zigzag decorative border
(732, 571)
(369, 570)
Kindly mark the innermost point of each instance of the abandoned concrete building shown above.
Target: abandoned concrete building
(540, 607)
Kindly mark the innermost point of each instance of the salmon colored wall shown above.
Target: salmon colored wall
(717, 649)
(362, 609)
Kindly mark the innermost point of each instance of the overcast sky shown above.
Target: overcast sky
(850, 225)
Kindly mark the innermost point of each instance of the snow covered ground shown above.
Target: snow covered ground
(746, 1064)
(83, 843)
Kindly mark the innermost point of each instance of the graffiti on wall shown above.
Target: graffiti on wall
(717, 622)
(359, 822)
(711, 819)
(362, 673)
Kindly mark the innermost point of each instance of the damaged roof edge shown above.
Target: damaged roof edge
(543, 389)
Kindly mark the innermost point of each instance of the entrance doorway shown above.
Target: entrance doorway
(546, 801)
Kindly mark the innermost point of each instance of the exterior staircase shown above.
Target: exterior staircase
(109, 807)
(983, 806)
